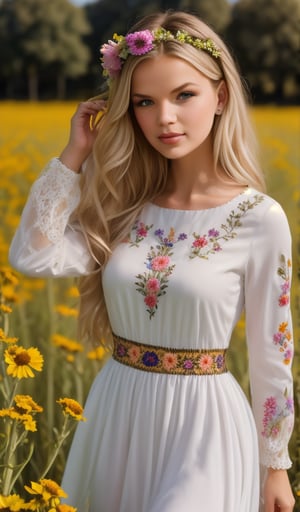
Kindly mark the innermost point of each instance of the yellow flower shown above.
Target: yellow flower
(8, 275)
(47, 492)
(5, 309)
(98, 353)
(72, 408)
(66, 311)
(12, 503)
(28, 422)
(7, 339)
(9, 293)
(66, 343)
(73, 291)
(26, 404)
(20, 361)
(65, 508)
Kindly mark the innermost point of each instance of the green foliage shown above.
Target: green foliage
(39, 34)
(265, 38)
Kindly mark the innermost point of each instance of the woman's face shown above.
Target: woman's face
(174, 105)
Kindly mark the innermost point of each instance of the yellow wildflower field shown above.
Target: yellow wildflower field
(32, 133)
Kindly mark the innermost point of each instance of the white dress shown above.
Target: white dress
(173, 443)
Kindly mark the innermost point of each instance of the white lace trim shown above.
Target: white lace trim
(275, 449)
(55, 195)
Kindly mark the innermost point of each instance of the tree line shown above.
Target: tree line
(51, 49)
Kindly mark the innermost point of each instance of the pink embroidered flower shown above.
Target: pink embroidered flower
(152, 285)
(142, 230)
(150, 301)
(140, 42)
(284, 300)
(134, 354)
(200, 242)
(169, 361)
(160, 263)
(205, 362)
(111, 61)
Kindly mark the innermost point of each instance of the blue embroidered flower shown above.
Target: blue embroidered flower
(150, 359)
(219, 361)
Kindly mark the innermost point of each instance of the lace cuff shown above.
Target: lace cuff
(278, 424)
(54, 195)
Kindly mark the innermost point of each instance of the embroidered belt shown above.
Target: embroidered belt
(169, 360)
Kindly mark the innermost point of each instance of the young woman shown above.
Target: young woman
(158, 205)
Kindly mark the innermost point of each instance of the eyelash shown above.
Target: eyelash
(182, 96)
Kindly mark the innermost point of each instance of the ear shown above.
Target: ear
(222, 96)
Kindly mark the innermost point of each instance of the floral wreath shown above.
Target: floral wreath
(114, 53)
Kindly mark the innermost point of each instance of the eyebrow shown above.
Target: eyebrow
(180, 87)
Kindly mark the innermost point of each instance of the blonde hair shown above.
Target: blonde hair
(124, 171)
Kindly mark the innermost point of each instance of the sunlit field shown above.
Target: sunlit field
(44, 311)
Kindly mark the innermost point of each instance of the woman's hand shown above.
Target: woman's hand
(278, 496)
(82, 134)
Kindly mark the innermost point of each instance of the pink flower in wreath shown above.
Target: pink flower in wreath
(205, 362)
(200, 242)
(140, 42)
(150, 301)
(169, 361)
(153, 285)
(134, 354)
(111, 61)
(160, 263)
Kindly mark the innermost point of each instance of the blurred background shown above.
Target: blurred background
(49, 55)
(51, 49)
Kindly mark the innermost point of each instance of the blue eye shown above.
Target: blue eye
(143, 103)
(185, 95)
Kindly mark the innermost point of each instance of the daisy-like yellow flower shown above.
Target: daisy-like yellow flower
(72, 408)
(46, 492)
(65, 508)
(5, 309)
(66, 310)
(9, 293)
(66, 343)
(12, 503)
(26, 404)
(8, 275)
(20, 361)
(97, 354)
(73, 292)
(26, 419)
(7, 339)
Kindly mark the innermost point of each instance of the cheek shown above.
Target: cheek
(143, 120)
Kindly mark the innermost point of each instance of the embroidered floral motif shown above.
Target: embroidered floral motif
(210, 243)
(141, 232)
(283, 339)
(168, 360)
(153, 283)
(275, 414)
(284, 272)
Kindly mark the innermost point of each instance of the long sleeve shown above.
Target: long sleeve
(46, 242)
(269, 336)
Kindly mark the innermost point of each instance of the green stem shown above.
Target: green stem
(50, 358)
(9, 468)
(62, 437)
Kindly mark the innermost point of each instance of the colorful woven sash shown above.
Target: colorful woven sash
(169, 360)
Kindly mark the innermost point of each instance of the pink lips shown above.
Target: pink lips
(170, 138)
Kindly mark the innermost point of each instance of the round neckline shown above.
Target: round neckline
(247, 191)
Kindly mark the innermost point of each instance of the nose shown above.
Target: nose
(166, 113)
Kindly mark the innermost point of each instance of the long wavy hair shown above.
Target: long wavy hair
(124, 172)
